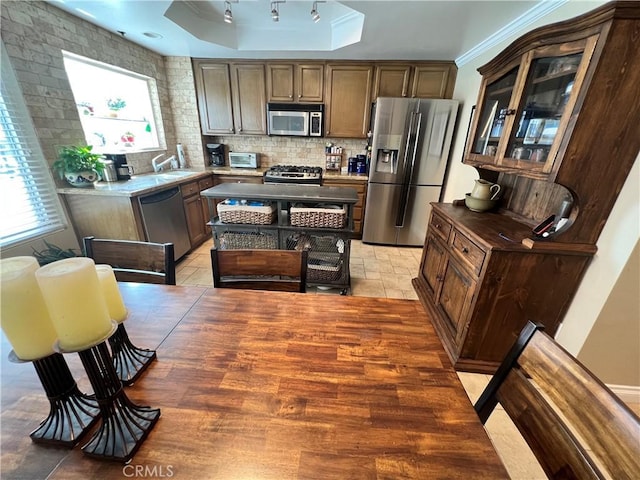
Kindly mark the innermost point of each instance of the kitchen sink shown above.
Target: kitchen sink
(173, 174)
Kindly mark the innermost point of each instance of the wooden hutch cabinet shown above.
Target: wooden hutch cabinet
(557, 124)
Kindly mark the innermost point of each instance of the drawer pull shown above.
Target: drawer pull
(465, 250)
(438, 226)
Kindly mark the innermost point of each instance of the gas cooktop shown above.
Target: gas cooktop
(293, 174)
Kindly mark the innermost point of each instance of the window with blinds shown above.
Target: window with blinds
(30, 207)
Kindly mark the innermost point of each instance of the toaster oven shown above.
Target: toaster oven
(244, 160)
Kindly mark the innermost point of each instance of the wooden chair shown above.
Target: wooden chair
(283, 270)
(575, 426)
(144, 262)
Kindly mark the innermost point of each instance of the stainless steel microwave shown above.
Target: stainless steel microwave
(295, 119)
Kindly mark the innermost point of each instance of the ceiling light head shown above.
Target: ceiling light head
(275, 15)
(315, 16)
(228, 16)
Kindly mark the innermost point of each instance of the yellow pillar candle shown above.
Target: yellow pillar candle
(71, 290)
(23, 314)
(111, 293)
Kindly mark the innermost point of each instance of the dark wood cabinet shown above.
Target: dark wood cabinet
(213, 85)
(196, 210)
(231, 97)
(358, 209)
(417, 80)
(569, 91)
(348, 94)
(295, 82)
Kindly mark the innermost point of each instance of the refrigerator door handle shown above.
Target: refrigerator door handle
(414, 129)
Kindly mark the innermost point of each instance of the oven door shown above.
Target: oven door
(289, 123)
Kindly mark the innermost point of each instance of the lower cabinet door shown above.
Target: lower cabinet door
(455, 296)
(434, 254)
(195, 223)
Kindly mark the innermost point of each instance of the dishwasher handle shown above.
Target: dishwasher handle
(160, 196)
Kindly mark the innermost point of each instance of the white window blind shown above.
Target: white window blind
(30, 207)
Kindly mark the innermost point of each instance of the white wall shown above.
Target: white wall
(622, 230)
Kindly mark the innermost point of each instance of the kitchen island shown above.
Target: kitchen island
(310, 217)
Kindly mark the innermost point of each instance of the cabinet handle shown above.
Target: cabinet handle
(231, 130)
(438, 226)
(510, 111)
(290, 96)
(439, 278)
(465, 250)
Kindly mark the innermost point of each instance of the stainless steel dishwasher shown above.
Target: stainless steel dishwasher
(164, 220)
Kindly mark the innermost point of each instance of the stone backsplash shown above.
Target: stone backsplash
(290, 150)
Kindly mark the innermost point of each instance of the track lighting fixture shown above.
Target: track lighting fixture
(315, 16)
(228, 16)
(275, 15)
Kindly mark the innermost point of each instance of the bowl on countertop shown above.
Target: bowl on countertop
(479, 204)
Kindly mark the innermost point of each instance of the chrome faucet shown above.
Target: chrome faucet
(158, 167)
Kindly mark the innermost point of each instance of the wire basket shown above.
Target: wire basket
(327, 216)
(246, 214)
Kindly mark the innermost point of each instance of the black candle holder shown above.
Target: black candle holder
(125, 425)
(128, 360)
(72, 413)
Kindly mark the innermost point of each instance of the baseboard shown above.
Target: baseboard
(627, 393)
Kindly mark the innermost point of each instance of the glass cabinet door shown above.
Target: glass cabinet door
(493, 113)
(546, 93)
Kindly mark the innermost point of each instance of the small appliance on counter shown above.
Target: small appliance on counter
(244, 160)
(123, 171)
(216, 154)
(109, 174)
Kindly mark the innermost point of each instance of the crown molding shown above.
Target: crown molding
(527, 18)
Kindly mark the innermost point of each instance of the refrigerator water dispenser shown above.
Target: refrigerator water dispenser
(387, 160)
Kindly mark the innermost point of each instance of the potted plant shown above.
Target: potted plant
(116, 104)
(78, 165)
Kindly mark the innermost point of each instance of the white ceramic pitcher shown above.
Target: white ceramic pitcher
(485, 190)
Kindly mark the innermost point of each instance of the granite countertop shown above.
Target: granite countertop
(139, 184)
(147, 183)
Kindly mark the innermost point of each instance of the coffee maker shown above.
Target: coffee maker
(216, 154)
(123, 171)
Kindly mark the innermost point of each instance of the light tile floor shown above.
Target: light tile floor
(380, 271)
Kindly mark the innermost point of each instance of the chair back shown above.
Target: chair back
(575, 426)
(283, 270)
(132, 261)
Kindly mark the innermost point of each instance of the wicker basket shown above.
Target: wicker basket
(323, 217)
(247, 214)
(247, 240)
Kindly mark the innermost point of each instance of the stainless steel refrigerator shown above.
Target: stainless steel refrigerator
(410, 151)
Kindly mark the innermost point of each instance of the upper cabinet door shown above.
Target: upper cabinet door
(288, 82)
(433, 81)
(280, 83)
(214, 98)
(526, 109)
(309, 83)
(392, 81)
(249, 100)
(348, 94)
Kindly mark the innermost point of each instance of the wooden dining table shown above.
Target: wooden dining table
(270, 385)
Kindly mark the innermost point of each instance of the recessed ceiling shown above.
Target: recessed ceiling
(407, 30)
(253, 27)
